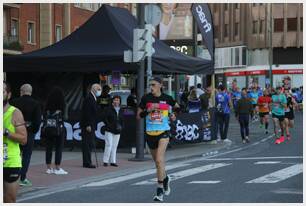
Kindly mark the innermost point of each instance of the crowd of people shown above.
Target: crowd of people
(23, 116)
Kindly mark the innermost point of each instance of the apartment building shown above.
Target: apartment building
(242, 39)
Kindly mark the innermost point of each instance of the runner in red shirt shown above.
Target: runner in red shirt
(264, 109)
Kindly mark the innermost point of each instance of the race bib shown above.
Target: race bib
(156, 117)
(5, 156)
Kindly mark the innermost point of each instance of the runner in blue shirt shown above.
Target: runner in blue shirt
(254, 95)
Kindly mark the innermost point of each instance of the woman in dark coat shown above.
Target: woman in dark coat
(113, 126)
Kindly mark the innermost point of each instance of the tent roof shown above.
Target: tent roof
(98, 46)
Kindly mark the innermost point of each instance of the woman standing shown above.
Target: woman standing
(53, 129)
(113, 126)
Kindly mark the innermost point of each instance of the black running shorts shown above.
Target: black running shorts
(153, 141)
(262, 114)
(11, 174)
(289, 115)
(279, 117)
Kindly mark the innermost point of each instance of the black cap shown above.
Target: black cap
(158, 79)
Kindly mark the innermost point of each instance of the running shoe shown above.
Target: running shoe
(166, 184)
(288, 137)
(277, 141)
(159, 197)
(25, 182)
(247, 139)
(267, 131)
(244, 141)
(281, 139)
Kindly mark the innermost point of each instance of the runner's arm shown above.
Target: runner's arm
(20, 134)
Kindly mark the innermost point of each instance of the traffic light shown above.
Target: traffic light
(143, 43)
(139, 44)
(150, 39)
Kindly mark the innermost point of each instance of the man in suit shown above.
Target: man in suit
(31, 111)
(89, 123)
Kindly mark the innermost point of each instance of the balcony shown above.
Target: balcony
(12, 43)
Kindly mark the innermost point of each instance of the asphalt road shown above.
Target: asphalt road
(258, 172)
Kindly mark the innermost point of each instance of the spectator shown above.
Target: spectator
(105, 99)
(206, 99)
(53, 129)
(14, 134)
(194, 103)
(113, 123)
(243, 110)
(223, 112)
(132, 99)
(199, 90)
(31, 111)
(88, 124)
(184, 99)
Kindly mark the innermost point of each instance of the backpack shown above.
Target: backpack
(53, 124)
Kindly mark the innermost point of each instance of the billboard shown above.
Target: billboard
(176, 22)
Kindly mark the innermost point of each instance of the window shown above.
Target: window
(255, 4)
(225, 7)
(254, 27)
(261, 26)
(14, 28)
(301, 23)
(58, 33)
(215, 8)
(31, 32)
(237, 6)
(236, 29)
(292, 24)
(226, 30)
(278, 25)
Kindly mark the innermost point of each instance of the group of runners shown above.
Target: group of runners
(279, 102)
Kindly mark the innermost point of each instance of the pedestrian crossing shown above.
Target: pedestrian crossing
(273, 177)
(181, 172)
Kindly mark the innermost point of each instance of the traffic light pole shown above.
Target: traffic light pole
(140, 92)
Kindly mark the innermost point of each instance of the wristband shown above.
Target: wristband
(6, 133)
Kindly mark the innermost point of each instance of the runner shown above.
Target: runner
(289, 114)
(155, 107)
(279, 103)
(235, 96)
(254, 94)
(264, 109)
(14, 133)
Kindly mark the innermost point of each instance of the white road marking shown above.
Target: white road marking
(266, 162)
(204, 182)
(186, 173)
(279, 175)
(288, 191)
(254, 158)
(131, 176)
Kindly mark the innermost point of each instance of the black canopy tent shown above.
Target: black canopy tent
(98, 46)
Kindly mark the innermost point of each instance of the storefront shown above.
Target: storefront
(238, 77)
(296, 76)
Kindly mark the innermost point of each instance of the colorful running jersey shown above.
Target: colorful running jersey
(254, 96)
(277, 107)
(157, 121)
(263, 104)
